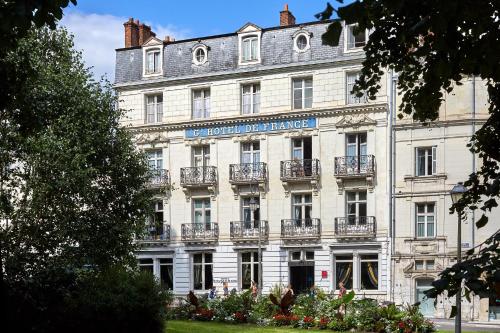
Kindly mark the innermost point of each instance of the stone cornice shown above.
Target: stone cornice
(440, 123)
(326, 112)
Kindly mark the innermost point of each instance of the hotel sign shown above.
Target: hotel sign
(250, 128)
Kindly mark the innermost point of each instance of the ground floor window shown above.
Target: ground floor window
(249, 269)
(202, 271)
(301, 266)
(146, 265)
(167, 273)
(357, 271)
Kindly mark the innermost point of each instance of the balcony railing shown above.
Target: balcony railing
(300, 169)
(159, 178)
(200, 232)
(355, 226)
(245, 173)
(300, 228)
(198, 176)
(156, 233)
(249, 230)
(360, 165)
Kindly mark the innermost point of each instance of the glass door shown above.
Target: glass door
(356, 149)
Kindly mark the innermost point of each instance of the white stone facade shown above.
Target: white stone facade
(381, 266)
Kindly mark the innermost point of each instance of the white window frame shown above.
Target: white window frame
(426, 222)
(157, 113)
(241, 38)
(348, 29)
(171, 264)
(200, 156)
(426, 265)
(430, 151)
(357, 202)
(202, 264)
(352, 99)
(155, 159)
(303, 89)
(296, 37)
(302, 205)
(205, 98)
(356, 268)
(203, 209)
(252, 264)
(361, 260)
(253, 94)
(196, 49)
(155, 49)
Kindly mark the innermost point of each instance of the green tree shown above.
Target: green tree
(74, 191)
(433, 46)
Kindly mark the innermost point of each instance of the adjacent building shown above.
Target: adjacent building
(257, 145)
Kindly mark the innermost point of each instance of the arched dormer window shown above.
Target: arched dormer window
(200, 54)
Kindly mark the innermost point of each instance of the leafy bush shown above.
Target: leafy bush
(225, 309)
(305, 306)
(262, 310)
(366, 315)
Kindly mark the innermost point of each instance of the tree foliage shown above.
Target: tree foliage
(73, 185)
(433, 46)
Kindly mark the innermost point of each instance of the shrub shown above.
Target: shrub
(305, 305)
(224, 309)
(366, 314)
(341, 324)
(262, 310)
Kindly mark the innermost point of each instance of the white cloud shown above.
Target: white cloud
(97, 36)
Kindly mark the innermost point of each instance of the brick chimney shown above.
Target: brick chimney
(286, 17)
(144, 33)
(131, 33)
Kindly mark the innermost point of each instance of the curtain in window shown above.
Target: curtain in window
(246, 276)
(197, 104)
(247, 99)
(206, 103)
(254, 48)
(344, 274)
(166, 276)
(208, 277)
(256, 99)
(369, 275)
(197, 279)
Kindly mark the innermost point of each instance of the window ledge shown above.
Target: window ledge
(151, 75)
(250, 62)
(354, 49)
(425, 179)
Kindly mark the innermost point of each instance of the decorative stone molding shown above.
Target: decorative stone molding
(355, 121)
(211, 189)
(152, 138)
(261, 190)
(370, 183)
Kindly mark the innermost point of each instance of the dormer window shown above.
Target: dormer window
(355, 38)
(249, 48)
(200, 55)
(301, 42)
(153, 65)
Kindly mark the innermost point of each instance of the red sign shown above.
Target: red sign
(324, 274)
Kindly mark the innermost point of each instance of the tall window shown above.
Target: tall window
(153, 62)
(155, 222)
(201, 103)
(250, 217)
(356, 150)
(201, 211)
(201, 156)
(154, 108)
(155, 159)
(426, 220)
(355, 39)
(202, 271)
(250, 98)
(343, 271)
(356, 207)
(249, 48)
(351, 98)
(250, 152)
(146, 265)
(249, 269)
(302, 208)
(167, 273)
(425, 161)
(302, 93)
(369, 271)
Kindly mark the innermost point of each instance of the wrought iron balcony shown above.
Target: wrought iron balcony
(199, 232)
(299, 170)
(300, 228)
(247, 173)
(199, 176)
(248, 231)
(159, 178)
(353, 166)
(355, 226)
(155, 233)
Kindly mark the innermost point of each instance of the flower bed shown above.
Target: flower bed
(315, 311)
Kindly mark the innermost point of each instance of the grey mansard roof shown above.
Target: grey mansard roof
(276, 51)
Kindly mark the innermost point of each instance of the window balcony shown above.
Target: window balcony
(159, 178)
(155, 234)
(247, 173)
(294, 171)
(248, 231)
(355, 226)
(196, 177)
(199, 232)
(300, 229)
(355, 167)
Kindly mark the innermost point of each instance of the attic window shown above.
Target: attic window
(153, 61)
(200, 55)
(249, 48)
(301, 42)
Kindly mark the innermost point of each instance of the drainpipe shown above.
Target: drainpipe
(390, 189)
(473, 129)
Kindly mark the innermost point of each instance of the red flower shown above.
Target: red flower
(308, 319)
(401, 324)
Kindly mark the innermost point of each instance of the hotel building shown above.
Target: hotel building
(258, 146)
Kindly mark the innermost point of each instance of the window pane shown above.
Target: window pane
(430, 208)
(296, 255)
(421, 230)
(208, 257)
(430, 229)
(369, 275)
(429, 264)
(420, 209)
(197, 278)
(343, 273)
(245, 257)
(309, 255)
(246, 276)
(166, 276)
(419, 265)
(208, 277)
(197, 258)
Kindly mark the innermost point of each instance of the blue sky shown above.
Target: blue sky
(98, 25)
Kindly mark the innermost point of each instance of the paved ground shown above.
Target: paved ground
(449, 325)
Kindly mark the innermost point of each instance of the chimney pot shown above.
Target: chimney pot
(131, 33)
(286, 17)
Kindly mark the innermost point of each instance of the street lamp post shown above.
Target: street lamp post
(456, 194)
(254, 205)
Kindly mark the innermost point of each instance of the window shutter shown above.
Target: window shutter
(434, 158)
